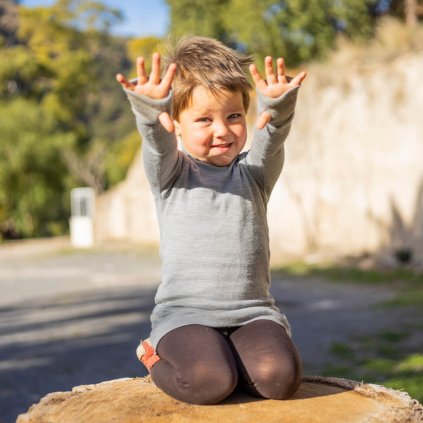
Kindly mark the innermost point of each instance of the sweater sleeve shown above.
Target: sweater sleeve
(266, 156)
(162, 159)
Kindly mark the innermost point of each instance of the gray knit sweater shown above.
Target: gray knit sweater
(214, 239)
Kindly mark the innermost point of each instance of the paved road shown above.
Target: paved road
(69, 318)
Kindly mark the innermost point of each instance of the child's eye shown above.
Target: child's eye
(235, 116)
(203, 119)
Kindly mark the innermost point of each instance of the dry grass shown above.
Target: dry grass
(392, 39)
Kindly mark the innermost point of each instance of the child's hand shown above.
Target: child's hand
(274, 85)
(152, 86)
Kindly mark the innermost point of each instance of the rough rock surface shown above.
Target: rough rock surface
(138, 400)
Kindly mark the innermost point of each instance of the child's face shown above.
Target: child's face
(213, 127)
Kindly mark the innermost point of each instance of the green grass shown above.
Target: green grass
(406, 281)
(384, 372)
(382, 360)
(409, 296)
(342, 350)
(341, 273)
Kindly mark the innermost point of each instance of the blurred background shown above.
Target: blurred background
(348, 207)
(353, 179)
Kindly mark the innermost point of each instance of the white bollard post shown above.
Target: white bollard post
(82, 217)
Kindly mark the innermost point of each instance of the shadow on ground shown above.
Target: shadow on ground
(81, 338)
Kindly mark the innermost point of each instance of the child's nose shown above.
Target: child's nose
(221, 129)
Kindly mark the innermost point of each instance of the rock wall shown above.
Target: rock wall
(353, 180)
(353, 177)
(127, 211)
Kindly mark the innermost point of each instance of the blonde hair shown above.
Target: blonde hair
(206, 62)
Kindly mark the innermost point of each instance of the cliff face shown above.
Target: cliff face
(353, 176)
(353, 180)
(127, 211)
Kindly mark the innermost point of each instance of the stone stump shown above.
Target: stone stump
(137, 400)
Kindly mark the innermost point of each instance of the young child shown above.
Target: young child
(215, 324)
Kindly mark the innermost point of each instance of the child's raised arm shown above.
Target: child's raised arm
(274, 85)
(153, 86)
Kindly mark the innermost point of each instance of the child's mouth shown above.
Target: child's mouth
(224, 146)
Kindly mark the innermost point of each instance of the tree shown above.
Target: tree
(78, 60)
(8, 22)
(300, 30)
(33, 178)
(143, 47)
(61, 112)
(408, 10)
(198, 17)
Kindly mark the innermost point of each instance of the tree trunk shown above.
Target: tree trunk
(318, 400)
(411, 13)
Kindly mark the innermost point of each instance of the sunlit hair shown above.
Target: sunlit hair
(206, 62)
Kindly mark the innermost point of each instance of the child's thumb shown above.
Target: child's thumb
(167, 122)
(263, 120)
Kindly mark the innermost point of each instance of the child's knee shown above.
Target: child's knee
(209, 385)
(198, 384)
(279, 380)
